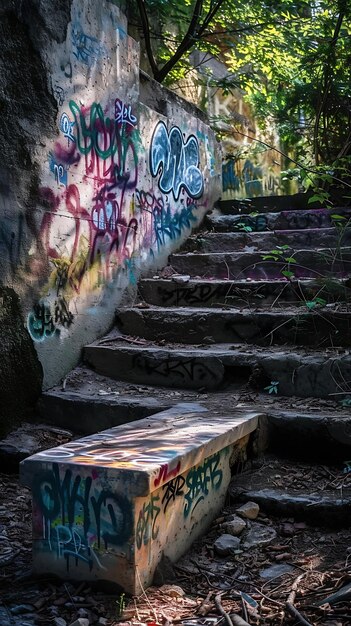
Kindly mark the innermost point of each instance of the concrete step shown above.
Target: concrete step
(304, 428)
(307, 491)
(317, 436)
(239, 265)
(297, 371)
(297, 201)
(290, 326)
(267, 240)
(85, 414)
(329, 510)
(109, 506)
(197, 293)
(284, 220)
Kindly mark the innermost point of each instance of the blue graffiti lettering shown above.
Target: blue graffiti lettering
(85, 48)
(176, 162)
(66, 126)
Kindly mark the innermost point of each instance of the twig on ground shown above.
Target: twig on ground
(231, 620)
(205, 605)
(146, 596)
(140, 342)
(289, 605)
(294, 587)
(296, 614)
(220, 609)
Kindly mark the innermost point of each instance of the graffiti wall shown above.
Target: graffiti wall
(119, 187)
(109, 505)
(250, 167)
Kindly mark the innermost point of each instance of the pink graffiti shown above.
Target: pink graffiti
(165, 474)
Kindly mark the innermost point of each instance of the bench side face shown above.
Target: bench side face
(173, 516)
(83, 524)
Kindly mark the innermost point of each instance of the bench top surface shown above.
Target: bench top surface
(178, 438)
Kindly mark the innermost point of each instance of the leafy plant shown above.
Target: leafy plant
(279, 254)
(312, 304)
(345, 402)
(121, 605)
(243, 227)
(272, 387)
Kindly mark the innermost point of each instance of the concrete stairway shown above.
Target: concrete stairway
(225, 318)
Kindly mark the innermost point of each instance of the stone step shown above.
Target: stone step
(290, 326)
(297, 371)
(311, 428)
(197, 293)
(239, 265)
(315, 436)
(109, 506)
(297, 201)
(284, 220)
(268, 240)
(86, 413)
(308, 491)
(314, 508)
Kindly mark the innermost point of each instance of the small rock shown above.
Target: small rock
(81, 621)
(22, 608)
(174, 591)
(249, 510)
(54, 610)
(83, 613)
(259, 535)
(283, 556)
(5, 619)
(275, 571)
(225, 544)
(180, 279)
(102, 621)
(59, 621)
(234, 525)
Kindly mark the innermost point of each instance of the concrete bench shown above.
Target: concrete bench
(108, 506)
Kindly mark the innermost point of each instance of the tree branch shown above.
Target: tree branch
(146, 30)
(210, 15)
(328, 77)
(184, 45)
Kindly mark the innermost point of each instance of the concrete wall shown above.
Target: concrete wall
(90, 197)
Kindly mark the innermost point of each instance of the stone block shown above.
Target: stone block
(111, 505)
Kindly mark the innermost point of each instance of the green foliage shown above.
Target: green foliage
(291, 58)
(301, 76)
(312, 304)
(279, 254)
(330, 184)
(121, 605)
(272, 387)
(243, 227)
